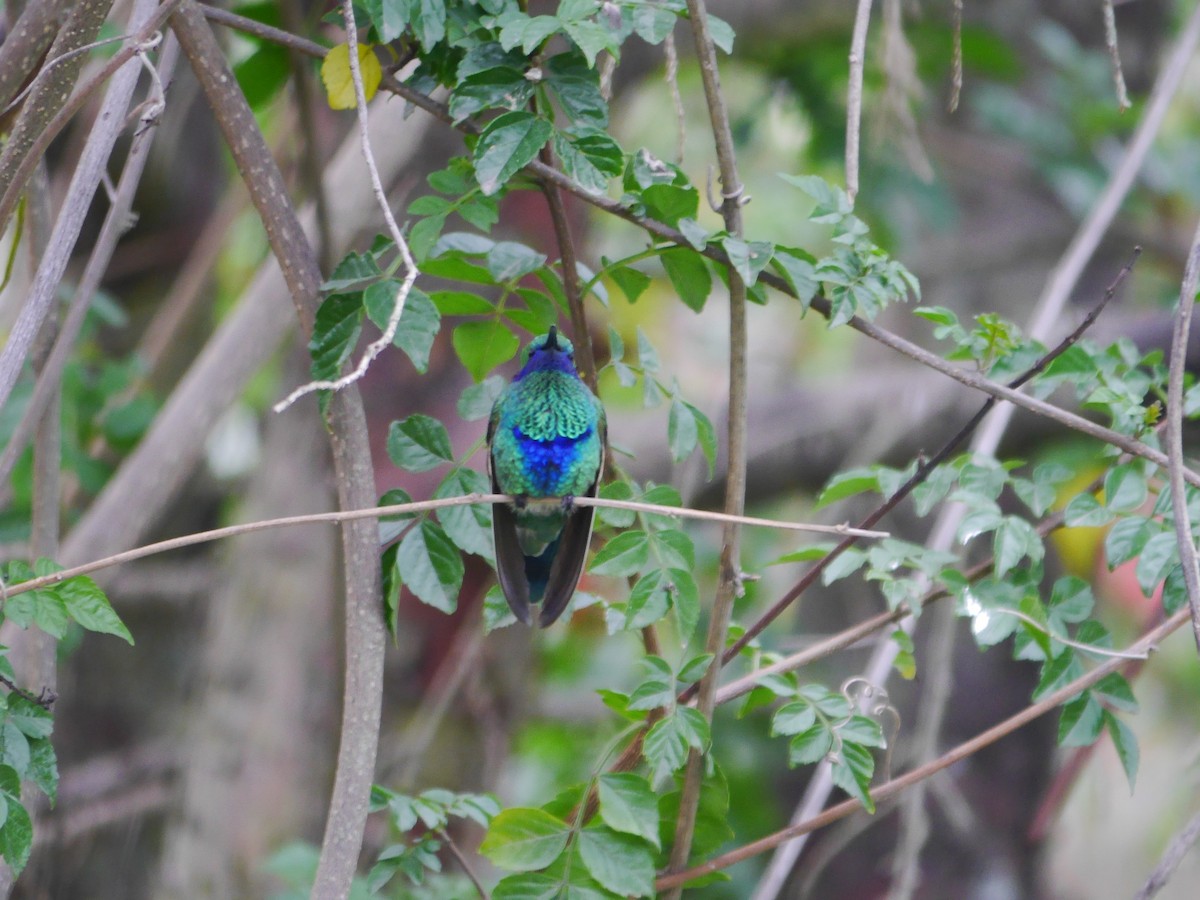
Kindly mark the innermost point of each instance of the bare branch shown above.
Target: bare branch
(854, 94)
(729, 585)
(1114, 54)
(956, 66)
(1179, 505)
(379, 512)
(1183, 841)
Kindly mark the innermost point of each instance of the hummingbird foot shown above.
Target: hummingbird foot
(568, 502)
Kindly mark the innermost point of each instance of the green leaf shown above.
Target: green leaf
(620, 862)
(689, 276)
(618, 518)
(682, 431)
(511, 261)
(1126, 745)
(625, 554)
(523, 839)
(793, 718)
(670, 202)
(1115, 690)
(852, 772)
(50, 613)
(419, 443)
(88, 605)
(577, 86)
(1174, 593)
(501, 87)
(31, 720)
(482, 346)
(862, 730)
(391, 585)
(810, 745)
(496, 611)
(461, 303)
(1085, 511)
(469, 525)
(748, 258)
(477, 399)
(653, 23)
(1014, 540)
(631, 282)
(508, 144)
(707, 436)
(1081, 722)
(527, 32)
(335, 332)
(797, 272)
(1160, 554)
(1126, 539)
(658, 688)
(627, 804)
(354, 269)
(591, 38)
(419, 321)
(428, 21)
(430, 565)
(846, 563)
(43, 767)
(686, 602)
(721, 33)
(1125, 488)
(648, 602)
(847, 484)
(16, 834)
(665, 747)
(591, 159)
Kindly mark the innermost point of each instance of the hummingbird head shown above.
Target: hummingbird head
(550, 351)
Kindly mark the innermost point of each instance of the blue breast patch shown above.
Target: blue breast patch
(549, 464)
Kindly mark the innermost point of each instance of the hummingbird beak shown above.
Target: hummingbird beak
(552, 338)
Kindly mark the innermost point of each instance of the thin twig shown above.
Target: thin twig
(1183, 841)
(956, 64)
(378, 512)
(854, 94)
(1114, 54)
(1179, 505)
(712, 516)
(45, 699)
(464, 864)
(585, 356)
(672, 78)
(889, 789)
(730, 584)
(410, 267)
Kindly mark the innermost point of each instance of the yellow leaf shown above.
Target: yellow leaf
(335, 73)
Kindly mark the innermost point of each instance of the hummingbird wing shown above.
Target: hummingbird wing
(510, 560)
(572, 553)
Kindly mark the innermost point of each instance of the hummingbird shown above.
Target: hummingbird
(546, 438)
